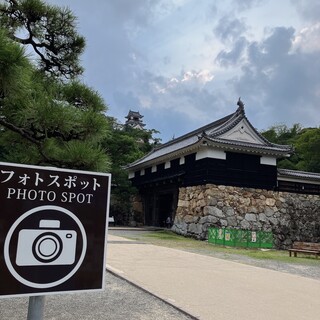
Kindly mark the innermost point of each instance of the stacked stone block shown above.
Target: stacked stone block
(290, 216)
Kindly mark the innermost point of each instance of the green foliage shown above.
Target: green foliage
(306, 142)
(281, 134)
(14, 66)
(47, 116)
(308, 147)
(49, 30)
(43, 119)
(125, 145)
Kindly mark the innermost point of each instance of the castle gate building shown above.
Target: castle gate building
(226, 152)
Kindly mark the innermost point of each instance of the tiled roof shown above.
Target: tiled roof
(286, 173)
(234, 120)
(135, 114)
(177, 144)
(211, 134)
(273, 149)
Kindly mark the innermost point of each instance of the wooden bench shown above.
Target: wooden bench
(305, 247)
(111, 220)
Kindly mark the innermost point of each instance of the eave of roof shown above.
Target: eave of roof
(234, 120)
(211, 133)
(134, 113)
(294, 174)
(179, 143)
(250, 147)
(164, 155)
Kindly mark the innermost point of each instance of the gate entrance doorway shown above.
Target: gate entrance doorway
(158, 206)
(165, 208)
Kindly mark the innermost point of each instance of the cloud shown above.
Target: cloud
(187, 79)
(278, 80)
(278, 44)
(183, 63)
(246, 5)
(171, 102)
(233, 57)
(307, 40)
(309, 10)
(202, 76)
(229, 29)
(275, 77)
(211, 12)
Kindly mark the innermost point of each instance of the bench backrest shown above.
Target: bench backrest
(306, 246)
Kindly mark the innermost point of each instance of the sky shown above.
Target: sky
(184, 63)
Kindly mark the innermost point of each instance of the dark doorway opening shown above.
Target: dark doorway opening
(149, 210)
(165, 208)
(159, 204)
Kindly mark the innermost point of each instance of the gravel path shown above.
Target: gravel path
(293, 268)
(120, 300)
(309, 271)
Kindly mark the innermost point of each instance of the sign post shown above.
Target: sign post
(53, 230)
(36, 308)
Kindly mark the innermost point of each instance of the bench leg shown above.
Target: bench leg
(295, 254)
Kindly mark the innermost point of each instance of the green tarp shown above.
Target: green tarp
(240, 238)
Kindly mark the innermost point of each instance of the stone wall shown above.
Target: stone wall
(290, 216)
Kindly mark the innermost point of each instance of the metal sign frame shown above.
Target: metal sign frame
(53, 230)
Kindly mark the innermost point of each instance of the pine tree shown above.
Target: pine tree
(47, 116)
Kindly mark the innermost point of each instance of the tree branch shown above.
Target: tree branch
(20, 131)
(27, 136)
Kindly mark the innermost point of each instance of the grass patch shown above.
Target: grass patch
(165, 235)
(167, 238)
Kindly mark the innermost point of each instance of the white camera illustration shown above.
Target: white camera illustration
(47, 245)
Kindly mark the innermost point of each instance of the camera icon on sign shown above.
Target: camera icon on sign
(47, 245)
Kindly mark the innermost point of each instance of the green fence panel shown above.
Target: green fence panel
(230, 237)
(240, 238)
(220, 236)
(266, 239)
(254, 241)
(211, 235)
